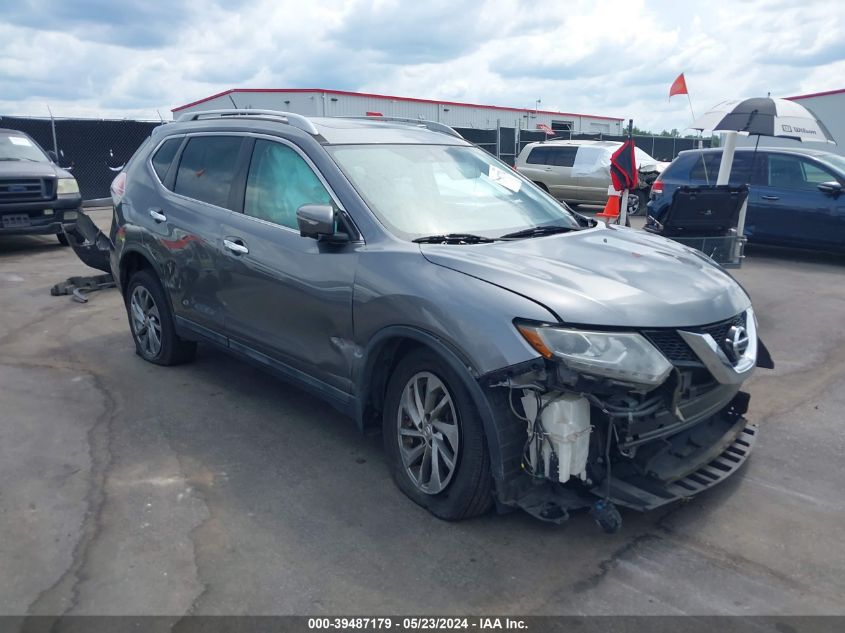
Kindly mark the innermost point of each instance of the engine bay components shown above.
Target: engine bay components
(558, 434)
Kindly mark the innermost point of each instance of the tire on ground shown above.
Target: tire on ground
(174, 350)
(470, 491)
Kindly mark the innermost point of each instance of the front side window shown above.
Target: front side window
(279, 182)
(207, 169)
(792, 172)
(423, 190)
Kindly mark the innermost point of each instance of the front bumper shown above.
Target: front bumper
(41, 222)
(90, 244)
(709, 467)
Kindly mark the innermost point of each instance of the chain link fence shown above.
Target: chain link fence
(95, 150)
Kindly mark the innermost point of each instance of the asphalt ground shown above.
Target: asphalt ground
(213, 488)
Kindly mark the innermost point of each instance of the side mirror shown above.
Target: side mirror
(52, 156)
(318, 221)
(831, 188)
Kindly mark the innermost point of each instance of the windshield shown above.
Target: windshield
(19, 147)
(422, 190)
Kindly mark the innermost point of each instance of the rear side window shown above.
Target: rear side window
(563, 156)
(539, 156)
(279, 182)
(550, 155)
(705, 169)
(164, 157)
(207, 169)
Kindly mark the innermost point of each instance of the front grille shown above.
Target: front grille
(675, 349)
(25, 189)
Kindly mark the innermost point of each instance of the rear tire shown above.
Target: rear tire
(151, 323)
(62, 239)
(430, 415)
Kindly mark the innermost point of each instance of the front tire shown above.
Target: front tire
(434, 440)
(637, 201)
(62, 239)
(151, 323)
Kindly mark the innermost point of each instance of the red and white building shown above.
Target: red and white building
(322, 102)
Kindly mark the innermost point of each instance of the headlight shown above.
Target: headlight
(67, 186)
(623, 356)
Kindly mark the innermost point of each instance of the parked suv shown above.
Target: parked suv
(578, 172)
(795, 194)
(508, 349)
(37, 197)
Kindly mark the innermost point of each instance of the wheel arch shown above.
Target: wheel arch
(379, 360)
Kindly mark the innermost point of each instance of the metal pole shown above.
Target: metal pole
(498, 138)
(623, 203)
(516, 136)
(53, 126)
(727, 158)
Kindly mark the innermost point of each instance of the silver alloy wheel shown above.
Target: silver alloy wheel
(146, 321)
(633, 203)
(428, 432)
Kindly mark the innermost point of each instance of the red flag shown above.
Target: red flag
(679, 86)
(623, 167)
(545, 128)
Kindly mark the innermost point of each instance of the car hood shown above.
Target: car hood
(604, 276)
(28, 169)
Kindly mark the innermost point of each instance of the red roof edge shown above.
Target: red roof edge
(379, 96)
(817, 94)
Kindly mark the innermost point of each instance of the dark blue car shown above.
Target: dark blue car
(795, 194)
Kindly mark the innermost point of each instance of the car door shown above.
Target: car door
(592, 173)
(788, 206)
(196, 195)
(288, 298)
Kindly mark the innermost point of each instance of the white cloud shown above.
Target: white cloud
(615, 57)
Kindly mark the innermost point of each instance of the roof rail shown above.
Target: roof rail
(434, 126)
(296, 120)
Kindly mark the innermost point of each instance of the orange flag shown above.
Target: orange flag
(679, 86)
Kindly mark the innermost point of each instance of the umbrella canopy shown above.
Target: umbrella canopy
(765, 116)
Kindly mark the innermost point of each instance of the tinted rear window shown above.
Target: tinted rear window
(164, 156)
(550, 155)
(207, 169)
(703, 168)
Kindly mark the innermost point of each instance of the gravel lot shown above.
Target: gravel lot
(213, 488)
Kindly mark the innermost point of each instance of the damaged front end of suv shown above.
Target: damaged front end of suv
(628, 418)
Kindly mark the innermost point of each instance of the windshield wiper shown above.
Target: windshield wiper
(538, 231)
(454, 238)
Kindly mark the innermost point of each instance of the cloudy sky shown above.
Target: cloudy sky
(131, 59)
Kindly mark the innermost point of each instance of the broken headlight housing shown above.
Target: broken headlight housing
(625, 357)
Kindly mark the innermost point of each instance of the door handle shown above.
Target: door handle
(157, 215)
(770, 197)
(236, 245)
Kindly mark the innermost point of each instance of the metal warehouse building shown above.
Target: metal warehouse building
(321, 102)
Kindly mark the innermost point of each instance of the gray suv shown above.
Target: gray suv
(510, 351)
